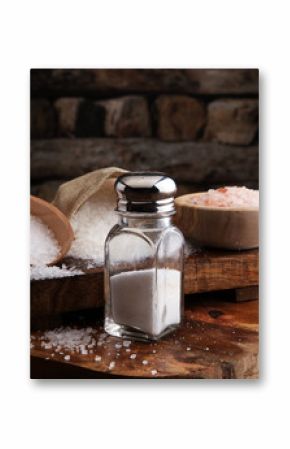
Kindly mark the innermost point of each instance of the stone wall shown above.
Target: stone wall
(200, 126)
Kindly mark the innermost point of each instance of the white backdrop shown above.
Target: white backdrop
(139, 414)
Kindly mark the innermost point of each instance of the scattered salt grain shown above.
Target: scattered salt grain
(133, 356)
(118, 345)
(154, 351)
(128, 350)
(228, 197)
(44, 247)
(98, 358)
(188, 349)
(67, 357)
(112, 365)
(127, 343)
(145, 362)
(207, 348)
(154, 372)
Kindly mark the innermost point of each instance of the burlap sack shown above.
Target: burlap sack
(73, 194)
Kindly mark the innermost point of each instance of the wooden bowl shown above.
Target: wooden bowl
(217, 227)
(56, 221)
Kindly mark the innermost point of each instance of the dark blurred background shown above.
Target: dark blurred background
(198, 125)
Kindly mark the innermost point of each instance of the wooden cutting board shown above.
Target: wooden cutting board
(217, 340)
(204, 271)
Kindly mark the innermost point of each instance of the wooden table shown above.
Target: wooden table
(218, 340)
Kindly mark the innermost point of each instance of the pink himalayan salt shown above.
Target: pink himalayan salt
(228, 197)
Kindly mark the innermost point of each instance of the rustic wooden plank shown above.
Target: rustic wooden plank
(119, 81)
(204, 271)
(221, 270)
(247, 293)
(68, 158)
(218, 340)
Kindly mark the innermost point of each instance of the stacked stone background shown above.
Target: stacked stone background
(198, 125)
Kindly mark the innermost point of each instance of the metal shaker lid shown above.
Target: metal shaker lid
(145, 192)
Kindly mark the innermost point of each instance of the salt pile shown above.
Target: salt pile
(228, 197)
(44, 248)
(44, 272)
(91, 225)
(69, 338)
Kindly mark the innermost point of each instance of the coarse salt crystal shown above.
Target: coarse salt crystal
(133, 356)
(188, 349)
(44, 247)
(98, 358)
(44, 272)
(145, 362)
(67, 357)
(127, 343)
(154, 372)
(68, 338)
(112, 365)
(91, 224)
(118, 345)
(228, 197)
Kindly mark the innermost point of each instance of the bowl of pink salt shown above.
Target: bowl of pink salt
(51, 234)
(227, 217)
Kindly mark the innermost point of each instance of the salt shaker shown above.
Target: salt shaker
(144, 260)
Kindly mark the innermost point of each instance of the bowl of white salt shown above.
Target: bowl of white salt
(51, 234)
(226, 218)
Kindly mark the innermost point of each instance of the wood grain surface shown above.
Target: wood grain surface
(217, 340)
(204, 271)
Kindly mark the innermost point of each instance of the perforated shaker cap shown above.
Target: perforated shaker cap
(145, 192)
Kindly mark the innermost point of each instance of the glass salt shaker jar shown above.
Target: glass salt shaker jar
(144, 260)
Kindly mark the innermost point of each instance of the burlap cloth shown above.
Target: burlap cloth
(71, 195)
